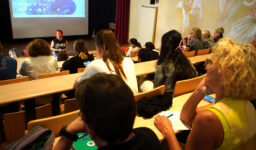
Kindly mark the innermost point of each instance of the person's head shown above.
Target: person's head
(219, 32)
(107, 106)
(80, 46)
(206, 35)
(196, 33)
(233, 69)
(169, 45)
(38, 47)
(59, 34)
(109, 50)
(81, 49)
(62, 56)
(134, 43)
(145, 54)
(150, 45)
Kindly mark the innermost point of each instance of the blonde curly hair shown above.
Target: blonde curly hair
(237, 65)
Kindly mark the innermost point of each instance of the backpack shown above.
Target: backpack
(148, 107)
(14, 53)
(38, 138)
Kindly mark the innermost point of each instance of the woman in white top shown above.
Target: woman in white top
(111, 61)
(40, 60)
(134, 48)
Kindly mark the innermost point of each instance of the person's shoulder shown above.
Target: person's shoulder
(128, 60)
(147, 138)
(9, 59)
(96, 63)
(48, 57)
(144, 131)
(54, 40)
(206, 118)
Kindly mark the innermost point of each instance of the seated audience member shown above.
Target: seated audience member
(231, 120)
(218, 34)
(254, 41)
(8, 70)
(62, 56)
(151, 46)
(108, 111)
(145, 82)
(40, 60)
(195, 41)
(78, 61)
(134, 48)
(172, 65)
(111, 61)
(59, 43)
(206, 37)
(8, 66)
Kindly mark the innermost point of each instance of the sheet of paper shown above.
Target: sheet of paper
(177, 124)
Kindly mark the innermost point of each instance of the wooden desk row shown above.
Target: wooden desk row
(150, 66)
(28, 91)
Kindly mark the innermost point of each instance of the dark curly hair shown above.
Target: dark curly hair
(38, 47)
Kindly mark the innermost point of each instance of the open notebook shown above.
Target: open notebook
(174, 117)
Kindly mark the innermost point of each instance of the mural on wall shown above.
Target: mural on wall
(241, 28)
(192, 13)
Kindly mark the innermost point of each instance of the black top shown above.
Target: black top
(76, 62)
(60, 44)
(216, 39)
(155, 55)
(144, 139)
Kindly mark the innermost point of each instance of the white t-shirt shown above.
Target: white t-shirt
(132, 50)
(99, 66)
(33, 66)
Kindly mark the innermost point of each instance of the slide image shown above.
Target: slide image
(48, 8)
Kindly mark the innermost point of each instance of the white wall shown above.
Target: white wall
(134, 21)
(233, 15)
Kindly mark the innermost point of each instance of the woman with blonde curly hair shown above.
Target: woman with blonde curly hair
(231, 120)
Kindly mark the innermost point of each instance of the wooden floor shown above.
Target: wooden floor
(21, 44)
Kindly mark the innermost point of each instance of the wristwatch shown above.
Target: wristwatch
(65, 133)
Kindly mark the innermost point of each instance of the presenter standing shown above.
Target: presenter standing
(59, 43)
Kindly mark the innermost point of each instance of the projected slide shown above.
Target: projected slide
(48, 8)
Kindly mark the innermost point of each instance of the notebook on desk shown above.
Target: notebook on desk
(174, 117)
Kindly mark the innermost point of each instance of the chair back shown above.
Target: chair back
(17, 80)
(154, 92)
(71, 105)
(54, 123)
(14, 123)
(189, 53)
(186, 86)
(203, 51)
(79, 70)
(48, 75)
